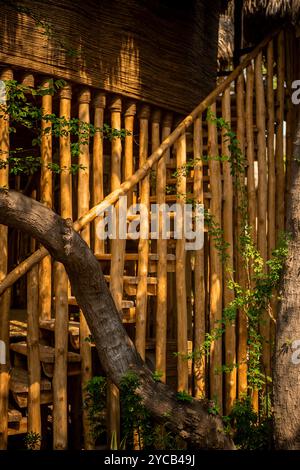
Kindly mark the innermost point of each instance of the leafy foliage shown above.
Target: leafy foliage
(23, 110)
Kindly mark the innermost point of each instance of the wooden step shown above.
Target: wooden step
(17, 330)
(19, 388)
(14, 416)
(18, 428)
(47, 358)
(131, 282)
(17, 424)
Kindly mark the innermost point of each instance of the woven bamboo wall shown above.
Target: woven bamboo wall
(155, 51)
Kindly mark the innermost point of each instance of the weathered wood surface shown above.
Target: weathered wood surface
(117, 48)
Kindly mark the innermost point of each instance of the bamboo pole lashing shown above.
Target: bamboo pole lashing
(143, 247)
(199, 366)
(279, 150)
(127, 185)
(98, 164)
(215, 262)
(6, 74)
(262, 195)
(60, 399)
(83, 198)
(45, 267)
(228, 268)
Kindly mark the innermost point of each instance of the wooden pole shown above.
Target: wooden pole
(130, 113)
(60, 399)
(33, 354)
(83, 206)
(270, 150)
(279, 162)
(182, 364)
(162, 281)
(141, 295)
(251, 190)
(117, 258)
(199, 270)
(6, 74)
(240, 269)
(215, 262)
(98, 164)
(290, 57)
(262, 196)
(228, 269)
(45, 268)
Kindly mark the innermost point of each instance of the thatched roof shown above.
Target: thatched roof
(225, 40)
(260, 16)
(278, 8)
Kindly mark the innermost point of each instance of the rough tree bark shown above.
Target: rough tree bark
(116, 351)
(286, 363)
(286, 370)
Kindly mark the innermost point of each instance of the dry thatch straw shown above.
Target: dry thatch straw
(281, 8)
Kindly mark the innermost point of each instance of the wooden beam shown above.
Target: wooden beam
(262, 195)
(240, 269)
(6, 74)
(199, 271)
(142, 297)
(60, 399)
(83, 198)
(215, 263)
(279, 152)
(45, 268)
(228, 268)
(33, 354)
(98, 165)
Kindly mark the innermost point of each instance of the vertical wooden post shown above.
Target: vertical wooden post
(162, 281)
(270, 149)
(289, 61)
(130, 113)
(98, 164)
(5, 298)
(182, 347)
(215, 262)
(117, 257)
(242, 319)
(279, 163)
(83, 206)
(251, 191)
(262, 195)
(46, 198)
(199, 280)
(60, 379)
(141, 296)
(228, 295)
(33, 355)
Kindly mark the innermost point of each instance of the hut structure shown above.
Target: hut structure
(140, 66)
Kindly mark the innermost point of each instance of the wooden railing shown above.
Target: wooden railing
(171, 296)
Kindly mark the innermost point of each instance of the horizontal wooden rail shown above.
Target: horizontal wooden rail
(143, 171)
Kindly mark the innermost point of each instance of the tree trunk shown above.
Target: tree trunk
(286, 367)
(116, 351)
